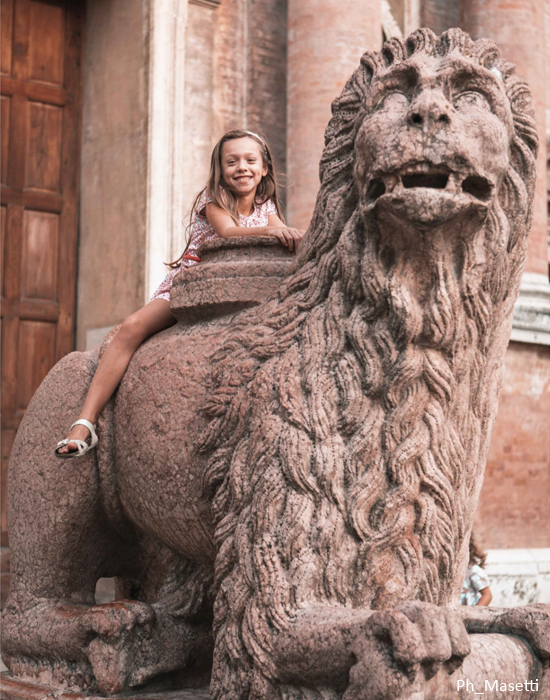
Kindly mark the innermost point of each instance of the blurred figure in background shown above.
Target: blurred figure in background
(475, 590)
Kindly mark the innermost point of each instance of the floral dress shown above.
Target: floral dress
(476, 580)
(202, 231)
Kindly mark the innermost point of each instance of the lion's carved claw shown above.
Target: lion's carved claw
(401, 649)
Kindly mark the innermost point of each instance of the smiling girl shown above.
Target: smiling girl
(240, 199)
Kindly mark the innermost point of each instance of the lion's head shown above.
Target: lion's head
(352, 413)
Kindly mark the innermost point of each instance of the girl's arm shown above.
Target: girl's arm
(486, 596)
(225, 227)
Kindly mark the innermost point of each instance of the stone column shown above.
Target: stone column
(518, 29)
(250, 71)
(440, 16)
(166, 143)
(198, 107)
(114, 168)
(325, 43)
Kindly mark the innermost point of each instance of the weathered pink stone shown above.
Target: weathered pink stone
(286, 479)
(16, 689)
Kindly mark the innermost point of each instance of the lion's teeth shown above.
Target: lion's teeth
(391, 181)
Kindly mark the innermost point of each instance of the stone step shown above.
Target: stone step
(18, 689)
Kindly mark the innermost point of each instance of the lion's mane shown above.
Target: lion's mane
(339, 444)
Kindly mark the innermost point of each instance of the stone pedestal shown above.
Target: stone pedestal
(17, 689)
(234, 274)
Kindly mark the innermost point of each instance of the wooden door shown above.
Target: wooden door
(41, 47)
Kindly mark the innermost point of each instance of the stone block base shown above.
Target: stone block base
(17, 689)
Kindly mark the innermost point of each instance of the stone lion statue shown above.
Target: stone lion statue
(289, 489)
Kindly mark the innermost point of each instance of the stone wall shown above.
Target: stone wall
(114, 166)
(266, 95)
(325, 43)
(250, 71)
(235, 77)
(514, 508)
(518, 576)
(199, 113)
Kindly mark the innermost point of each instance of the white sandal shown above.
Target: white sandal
(83, 446)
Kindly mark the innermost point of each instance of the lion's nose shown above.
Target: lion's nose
(429, 109)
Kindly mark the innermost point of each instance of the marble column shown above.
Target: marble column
(325, 43)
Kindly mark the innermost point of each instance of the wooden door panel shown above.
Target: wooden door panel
(13, 243)
(47, 42)
(3, 219)
(39, 255)
(13, 239)
(8, 436)
(44, 147)
(21, 37)
(6, 35)
(40, 139)
(10, 342)
(5, 103)
(36, 357)
(18, 142)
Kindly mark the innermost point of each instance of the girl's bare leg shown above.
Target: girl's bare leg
(151, 319)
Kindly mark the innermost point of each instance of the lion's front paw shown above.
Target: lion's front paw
(401, 649)
(120, 628)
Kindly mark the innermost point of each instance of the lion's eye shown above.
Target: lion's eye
(470, 98)
(393, 100)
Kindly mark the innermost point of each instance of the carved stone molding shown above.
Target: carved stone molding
(213, 4)
(165, 190)
(532, 310)
(519, 576)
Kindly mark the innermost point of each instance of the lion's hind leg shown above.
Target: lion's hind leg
(180, 642)
(61, 541)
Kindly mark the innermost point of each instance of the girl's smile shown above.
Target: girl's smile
(242, 166)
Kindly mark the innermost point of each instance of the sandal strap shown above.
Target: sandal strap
(91, 428)
(85, 423)
(81, 446)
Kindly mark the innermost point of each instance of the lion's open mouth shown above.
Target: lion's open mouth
(425, 176)
(436, 181)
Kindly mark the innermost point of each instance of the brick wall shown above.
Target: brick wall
(440, 15)
(514, 508)
(267, 25)
(250, 71)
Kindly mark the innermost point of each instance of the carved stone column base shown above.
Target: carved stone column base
(532, 310)
(17, 689)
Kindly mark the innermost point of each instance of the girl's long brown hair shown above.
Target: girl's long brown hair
(219, 193)
(477, 555)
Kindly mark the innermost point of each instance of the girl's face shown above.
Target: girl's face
(242, 165)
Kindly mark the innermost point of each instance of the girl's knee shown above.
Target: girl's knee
(132, 330)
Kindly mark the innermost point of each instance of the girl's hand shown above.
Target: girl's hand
(289, 237)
